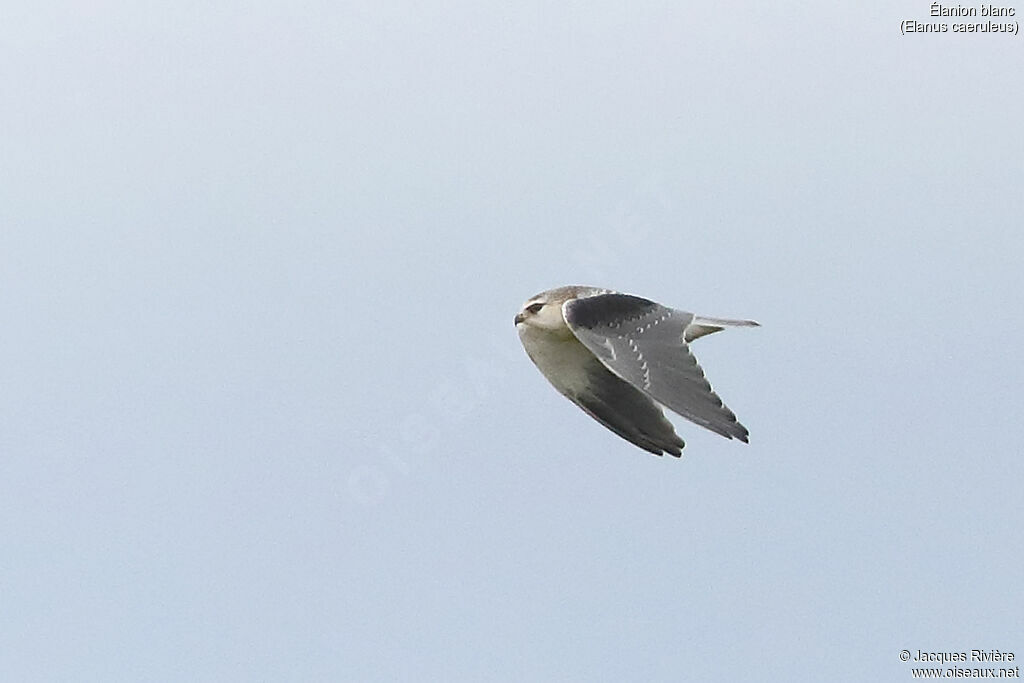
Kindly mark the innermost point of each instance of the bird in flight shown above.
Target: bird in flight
(619, 356)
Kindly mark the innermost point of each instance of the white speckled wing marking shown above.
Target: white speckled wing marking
(643, 343)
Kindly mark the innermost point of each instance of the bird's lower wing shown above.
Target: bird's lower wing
(626, 410)
(643, 343)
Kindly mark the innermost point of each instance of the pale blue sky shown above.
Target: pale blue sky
(265, 415)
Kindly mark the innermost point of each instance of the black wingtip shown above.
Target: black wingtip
(742, 434)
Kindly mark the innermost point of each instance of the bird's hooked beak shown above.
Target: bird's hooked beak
(519, 318)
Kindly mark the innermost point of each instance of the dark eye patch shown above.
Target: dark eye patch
(535, 308)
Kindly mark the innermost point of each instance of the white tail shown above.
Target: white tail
(702, 326)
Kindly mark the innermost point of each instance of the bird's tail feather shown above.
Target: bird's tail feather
(723, 322)
(702, 325)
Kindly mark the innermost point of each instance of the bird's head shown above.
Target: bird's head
(544, 311)
(539, 312)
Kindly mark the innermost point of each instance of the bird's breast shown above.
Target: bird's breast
(560, 357)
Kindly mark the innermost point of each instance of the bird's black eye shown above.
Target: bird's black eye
(535, 308)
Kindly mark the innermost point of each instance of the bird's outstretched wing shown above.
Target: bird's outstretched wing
(643, 343)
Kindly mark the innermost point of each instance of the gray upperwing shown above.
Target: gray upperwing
(643, 343)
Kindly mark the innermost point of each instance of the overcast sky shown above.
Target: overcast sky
(264, 414)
